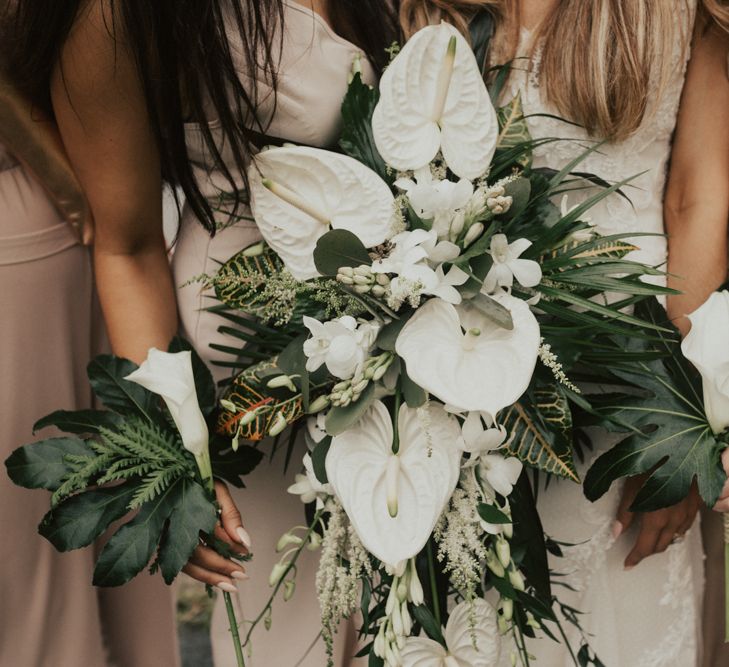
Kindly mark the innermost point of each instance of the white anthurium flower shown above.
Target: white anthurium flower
(171, 376)
(436, 200)
(394, 500)
(465, 359)
(299, 193)
(467, 645)
(433, 98)
(508, 266)
(340, 344)
(308, 487)
(706, 347)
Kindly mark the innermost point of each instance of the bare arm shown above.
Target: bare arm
(34, 141)
(697, 199)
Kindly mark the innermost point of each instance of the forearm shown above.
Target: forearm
(138, 299)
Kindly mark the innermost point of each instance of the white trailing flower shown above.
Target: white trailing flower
(471, 635)
(433, 98)
(341, 344)
(501, 472)
(479, 439)
(308, 487)
(315, 427)
(299, 193)
(171, 376)
(394, 499)
(508, 266)
(437, 200)
(706, 347)
(484, 369)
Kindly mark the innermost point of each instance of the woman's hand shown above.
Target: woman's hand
(722, 505)
(210, 567)
(659, 529)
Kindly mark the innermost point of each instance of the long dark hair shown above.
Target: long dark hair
(184, 61)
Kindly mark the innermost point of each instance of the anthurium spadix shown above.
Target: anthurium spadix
(395, 499)
(467, 645)
(432, 97)
(465, 359)
(299, 193)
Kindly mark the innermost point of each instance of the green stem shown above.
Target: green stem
(726, 586)
(396, 421)
(233, 622)
(433, 584)
(206, 469)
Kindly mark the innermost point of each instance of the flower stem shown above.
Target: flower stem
(396, 421)
(433, 584)
(233, 622)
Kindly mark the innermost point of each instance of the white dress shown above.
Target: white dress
(648, 616)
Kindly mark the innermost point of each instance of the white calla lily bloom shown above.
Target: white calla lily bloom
(433, 98)
(171, 376)
(340, 344)
(507, 265)
(394, 500)
(467, 645)
(298, 194)
(706, 347)
(485, 369)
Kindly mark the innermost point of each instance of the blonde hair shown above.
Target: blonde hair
(597, 57)
(719, 11)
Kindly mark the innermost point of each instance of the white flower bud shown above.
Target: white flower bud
(517, 580)
(507, 608)
(289, 590)
(254, 250)
(345, 280)
(282, 381)
(407, 621)
(363, 271)
(248, 418)
(503, 551)
(503, 625)
(493, 564)
(279, 425)
(318, 404)
(347, 271)
(268, 619)
(277, 573)
(362, 280)
(473, 233)
(314, 541)
(416, 588)
(228, 405)
(378, 291)
(360, 387)
(383, 279)
(287, 540)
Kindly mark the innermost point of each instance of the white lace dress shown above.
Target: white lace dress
(648, 616)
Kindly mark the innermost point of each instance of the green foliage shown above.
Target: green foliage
(340, 419)
(669, 438)
(106, 375)
(80, 422)
(514, 130)
(43, 464)
(338, 248)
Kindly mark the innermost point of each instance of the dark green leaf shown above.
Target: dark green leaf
(519, 190)
(81, 519)
(106, 375)
(79, 421)
(340, 419)
(319, 459)
(492, 514)
(425, 617)
(339, 248)
(232, 466)
(130, 549)
(42, 465)
(414, 395)
(387, 337)
(204, 384)
(193, 512)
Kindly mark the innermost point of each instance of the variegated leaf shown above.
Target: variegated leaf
(513, 129)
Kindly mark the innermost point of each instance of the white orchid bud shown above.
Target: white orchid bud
(277, 573)
(345, 280)
(314, 541)
(503, 552)
(517, 580)
(415, 587)
(254, 250)
(503, 625)
(318, 404)
(396, 617)
(248, 418)
(473, 233)
(287, 540)
(507, 608)
(228, 405)
(282, 381)
(407, 621)
(289, 590)
(279, 425)
(493, 564)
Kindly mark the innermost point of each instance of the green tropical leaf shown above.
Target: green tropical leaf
(339, 248)
(193, 512)
(80, 422)
(106, 375)
(44, 464)
(231, 465)
(540, 427)
(492, 514)
(670, 439)
(79, 520)
(514, 129)
(339, 419)
(130, 549)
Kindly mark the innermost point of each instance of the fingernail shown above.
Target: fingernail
(244, 537)
(228, 588)
(617, 529)
(240, 575)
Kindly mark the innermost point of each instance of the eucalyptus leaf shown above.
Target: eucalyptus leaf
(338, 248)
(43, 465)
(340, 419)
(491, 514)
(79, 520)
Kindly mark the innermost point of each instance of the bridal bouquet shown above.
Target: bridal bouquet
(422, 302)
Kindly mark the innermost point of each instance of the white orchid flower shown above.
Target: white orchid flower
(433, 98)
(436, 200)
(394, 500)
(507, 266)
(467, 645)
(407, 250)
(439, 251)
(308, 487)
(420, 280)
(479, 439)
(340, 344)
(171, 376)
(298, 194)
(706, 347)
(501, 472)
(315, 427)
(484, 369)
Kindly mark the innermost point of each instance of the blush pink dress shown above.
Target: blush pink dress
(314, 67)
(50, 614)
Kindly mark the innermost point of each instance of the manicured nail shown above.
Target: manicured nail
(240, 575)
(617, 529)
(228, 588)
(244, 537)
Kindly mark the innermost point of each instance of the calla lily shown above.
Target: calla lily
(507, 265)
(432, 97)
(171, 376)
(706, 347)
(395, 499)
(462, 650)
(298, 194)
(484, 369)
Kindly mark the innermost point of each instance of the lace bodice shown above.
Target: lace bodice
(645, 152)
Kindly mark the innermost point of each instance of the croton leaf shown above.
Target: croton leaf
(670, 439)
(541, 426)
(42, 465)
(106, 375)
(80, 519)
(514, 129)
(193, 512)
